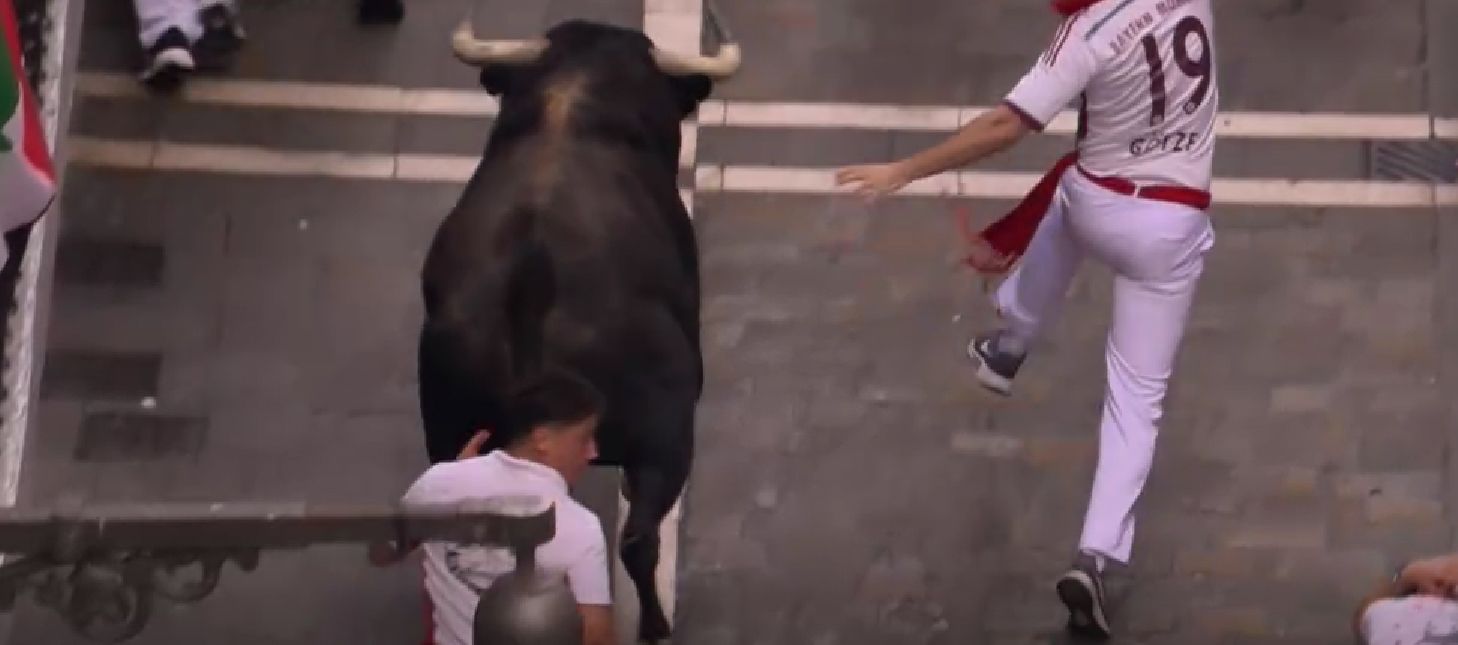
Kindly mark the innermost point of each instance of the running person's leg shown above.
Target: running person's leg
(1029, 300)
(1156, 251)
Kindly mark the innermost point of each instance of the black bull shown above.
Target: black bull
(570, 248)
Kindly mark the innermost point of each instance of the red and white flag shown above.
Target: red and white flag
(27, 177)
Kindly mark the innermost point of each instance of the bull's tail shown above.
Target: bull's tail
(453, 373)
(531, 288)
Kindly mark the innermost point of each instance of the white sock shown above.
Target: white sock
(1011, 343)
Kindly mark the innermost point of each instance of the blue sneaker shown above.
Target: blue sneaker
(996, 365)
(1082, 591)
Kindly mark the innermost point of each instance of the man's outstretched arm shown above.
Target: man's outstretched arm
(991, 132)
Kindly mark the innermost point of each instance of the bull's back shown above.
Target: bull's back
(619, 301)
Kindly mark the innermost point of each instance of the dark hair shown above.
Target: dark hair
(552, 397)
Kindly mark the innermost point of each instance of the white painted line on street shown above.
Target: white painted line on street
(1445, 128)
(452, 168)
(264, 161)
(840, 116)
(1319, 125)
(1323, 193)
(299, 95)
(760, 114)
(719, 178)
(115, 154)
(1013, 185)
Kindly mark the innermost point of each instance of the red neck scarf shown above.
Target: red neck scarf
(1070, 7)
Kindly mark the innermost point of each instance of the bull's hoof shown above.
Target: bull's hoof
(381, 12)
(653, 629)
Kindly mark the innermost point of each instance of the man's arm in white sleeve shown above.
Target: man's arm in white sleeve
(590, 581)
(1061, 73)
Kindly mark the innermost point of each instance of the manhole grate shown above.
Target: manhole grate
(1432, 160)
(128, 436)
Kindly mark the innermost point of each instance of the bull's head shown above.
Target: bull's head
(627, 53)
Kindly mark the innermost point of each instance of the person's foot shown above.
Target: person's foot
(1082, 591)
(381, 12)
(222, 36)
(168, 61)
(997, 362)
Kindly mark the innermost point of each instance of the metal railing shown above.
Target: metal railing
(100, 567)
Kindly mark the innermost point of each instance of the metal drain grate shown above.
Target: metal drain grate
(1432, 160)
(126, 436)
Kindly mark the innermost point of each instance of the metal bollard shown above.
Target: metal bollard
(528, 607)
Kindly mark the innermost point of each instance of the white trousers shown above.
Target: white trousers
(1156, 251)
(155, 17)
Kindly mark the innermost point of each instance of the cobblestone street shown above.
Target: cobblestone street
(852, 484)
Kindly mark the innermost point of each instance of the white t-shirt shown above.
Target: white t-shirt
(1411, 620)
(455, 576)
(1144, 71)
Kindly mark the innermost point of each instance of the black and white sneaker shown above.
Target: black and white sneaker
(996, 365)
(169, 60)
(1082, 591)
(222, 35)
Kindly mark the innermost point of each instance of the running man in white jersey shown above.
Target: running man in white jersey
(1143, 73)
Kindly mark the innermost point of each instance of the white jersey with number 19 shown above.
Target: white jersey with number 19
(1145, 72)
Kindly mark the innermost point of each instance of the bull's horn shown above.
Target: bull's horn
(493, 52)
(718, 67)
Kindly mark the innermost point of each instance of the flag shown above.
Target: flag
(27, 177)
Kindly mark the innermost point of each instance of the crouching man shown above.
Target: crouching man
(548, 447)
(1418, 606)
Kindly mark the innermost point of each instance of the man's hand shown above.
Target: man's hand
(384, 554)
(473, 447)
(992, 131)
(875, 180)
(597, 624)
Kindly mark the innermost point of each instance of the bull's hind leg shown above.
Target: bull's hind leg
(652, 487)
(446, 419)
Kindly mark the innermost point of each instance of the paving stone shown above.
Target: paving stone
(126, 119)
(1404, 511)
(1222, 563)
(994, 446)
(1352, 528)
(101, 375)
(1240, 622)
(1312, 440)
(89, 261)
(1279, 532)
(1409, 485)
(138, 437)
(1400, 446)
(1301, 398)
(444, 135)
(281, 129)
